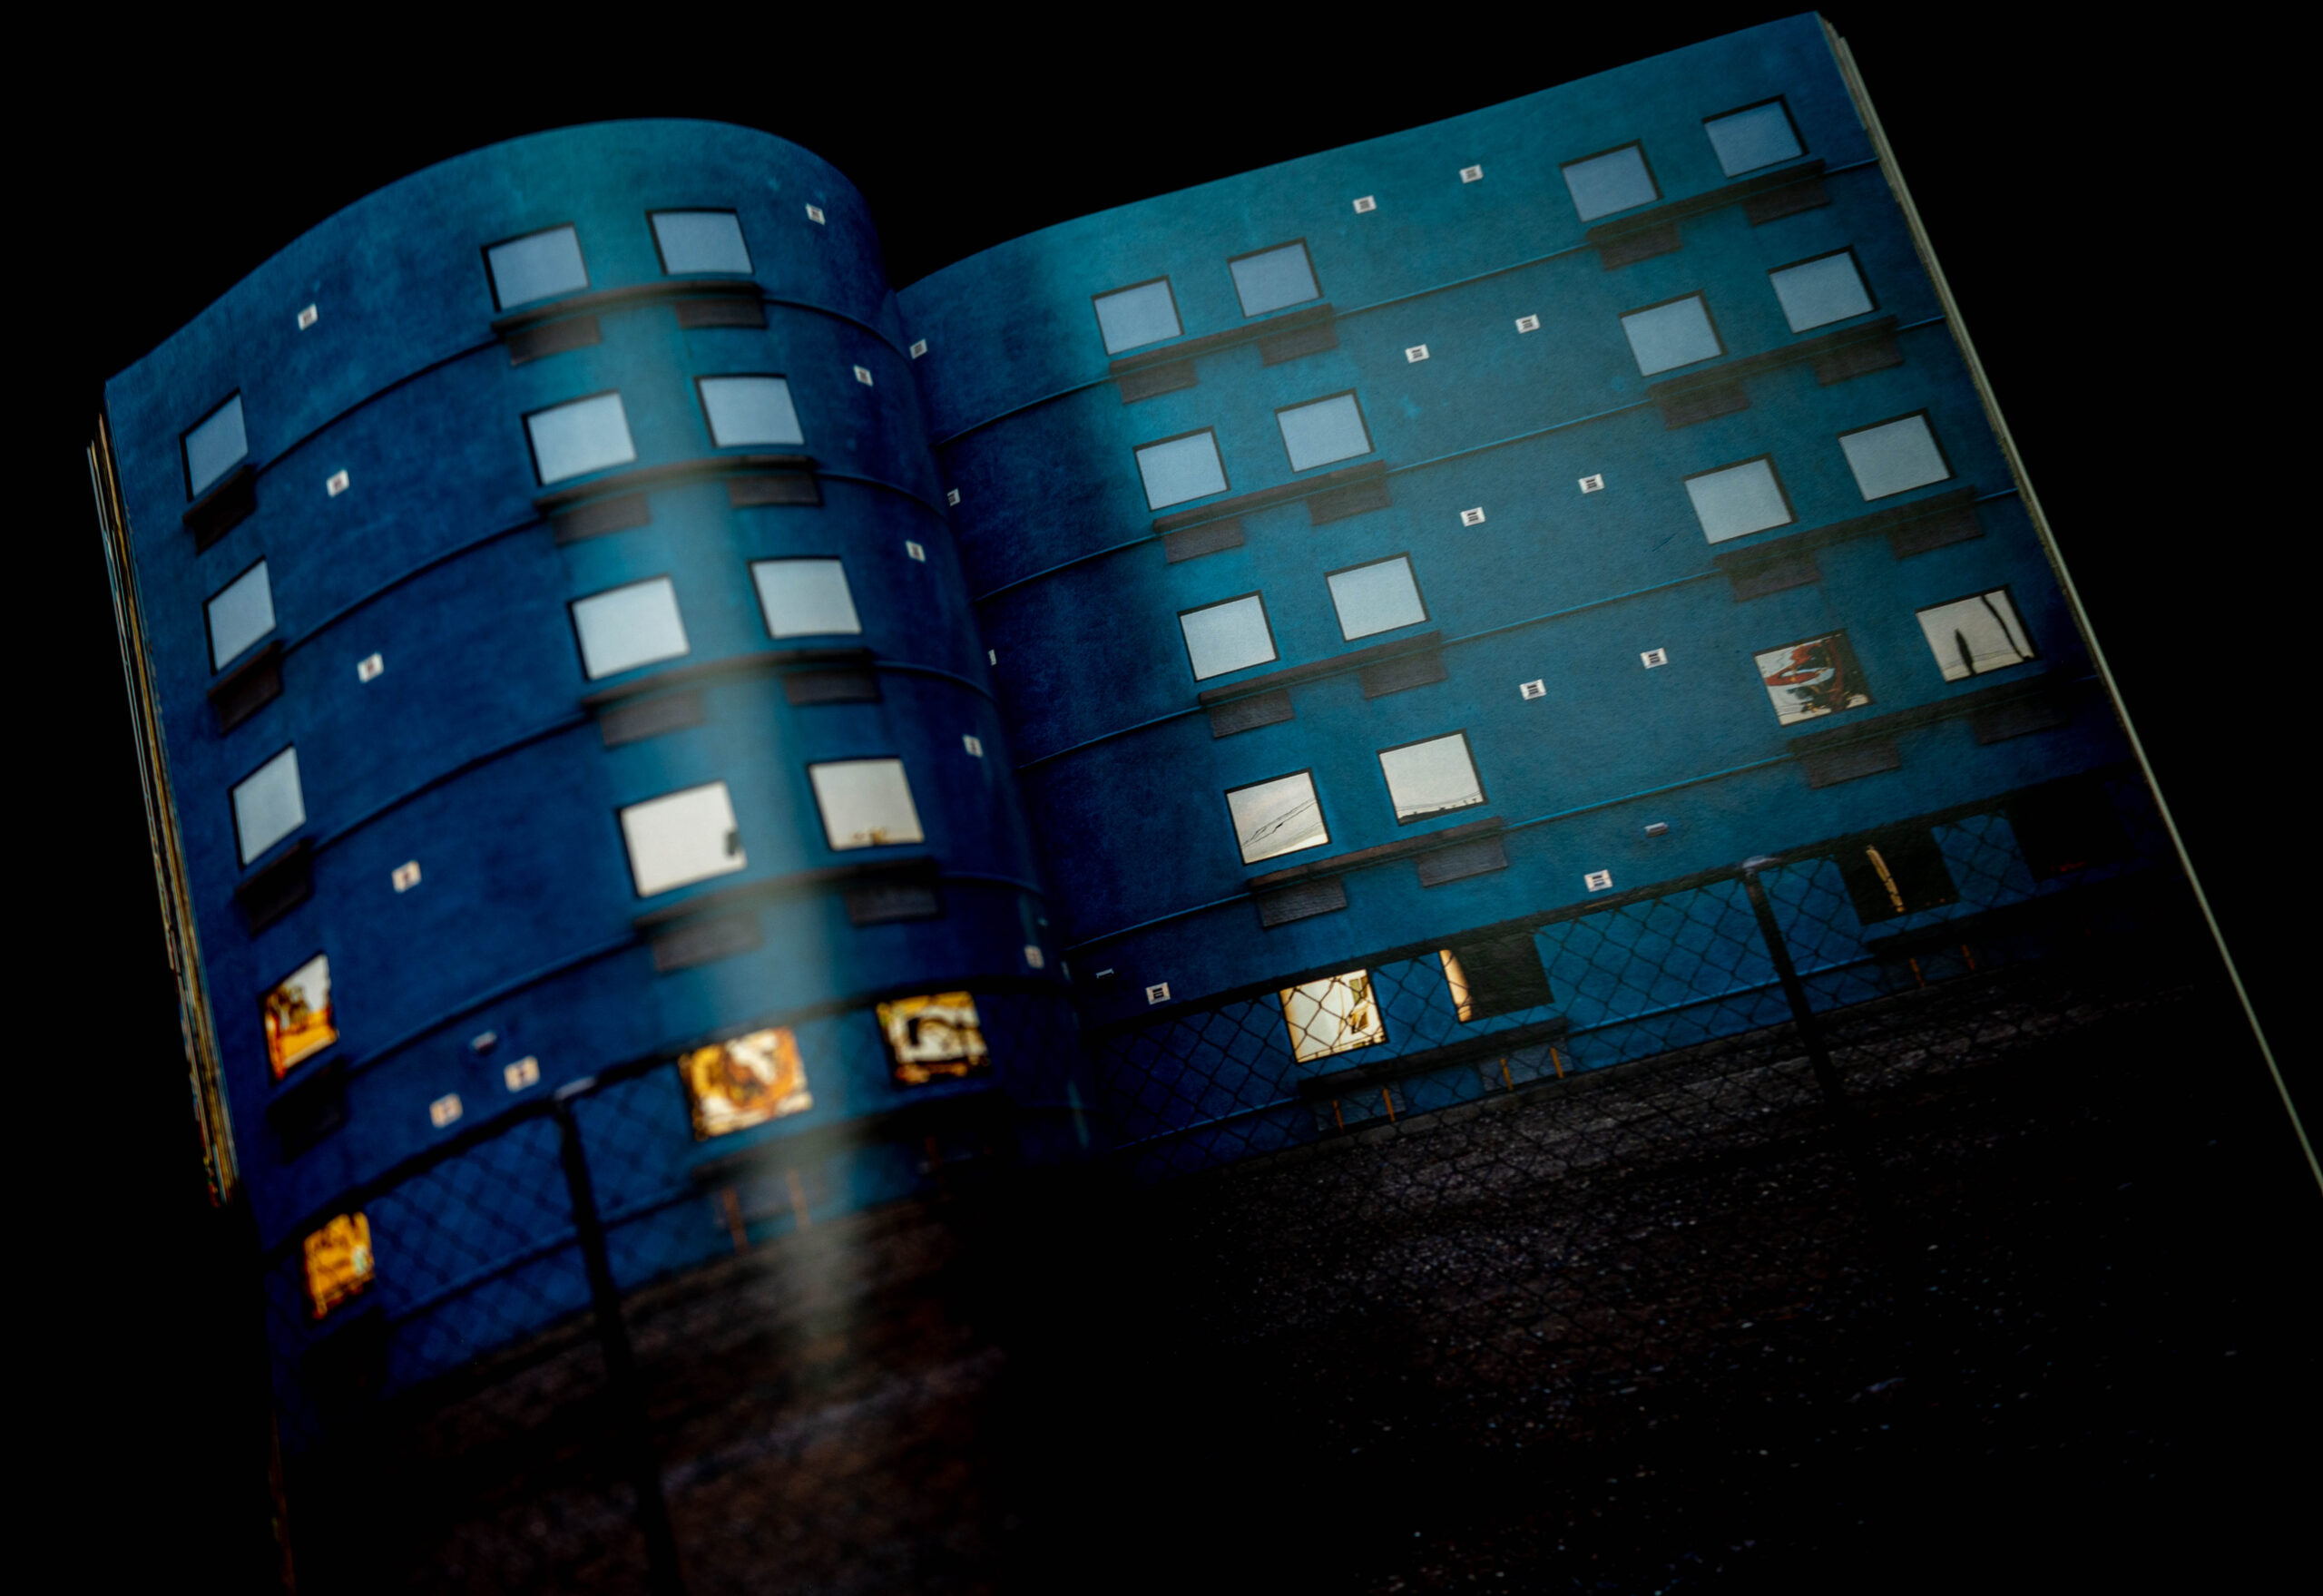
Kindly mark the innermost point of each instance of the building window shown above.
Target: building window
(1272, 279)
(749, 410)
(1325, 430)
(339, 1262)
(1180, 468)
(1277, 817)
(1375, 598)
(1666, 336)
(733, 1085)
(1819, 291)
(1427, 779)
(572, 440)
(1496, 975)
(627, 627)
(1898, 873)
(1614, 181)
(1814, 677)
(1132, 318)
(1735, 501)
(298, 1017)
(1976, 634)
(538, 266)
(1336, 1014)
(700, 241)
(241, 613)
(1231, 636)
(805, 597)
(268, 805)
(934, 1038)
(2068, 825)
(680, 838)
(1894, 457)
(865, 803)
(1755, 136)
(214, 445)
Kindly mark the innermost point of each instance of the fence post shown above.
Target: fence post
(1810, 1030)
(621, 1362)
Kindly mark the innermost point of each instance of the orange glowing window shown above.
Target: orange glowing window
(733, 1085)
(300, 1020)
(339, 1262)
(930, 1038)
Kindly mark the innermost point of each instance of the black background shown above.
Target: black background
(2077, 184)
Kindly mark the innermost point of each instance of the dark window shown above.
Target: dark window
(1499, 975)
(2068, 826)
(1895, 873)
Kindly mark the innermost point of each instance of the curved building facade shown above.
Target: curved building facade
(559, 658)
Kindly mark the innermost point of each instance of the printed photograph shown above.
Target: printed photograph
(934, 1038)
(1813, 678)
(300, 1021)
(733, 1085)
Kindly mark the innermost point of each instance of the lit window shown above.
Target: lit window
(1894, 457)
(585, 436)
(538, 266)
(1615, 181)
(1327, 430)
(629, 626)
(1497, 975)
(683, 836)
(1274, 277)
(215, 446)
(1977, 634)
(268, 805)
(699, 240)
(1180, 468)
(933, 1038)
(1277, 817)
(1132, 318)
(1898, 873)
(866, 803)
(338, 1261)
(1736, 500)
(300, 1020)
(1816, 293)
(241, 613)
(733, 1085)
(1753, 137)
(1429, 778)
(1337, 1013)
(804, 598)
(1665, 337)
(749, 410)
(1817, 677)
(1378, 597)
(1225, 637)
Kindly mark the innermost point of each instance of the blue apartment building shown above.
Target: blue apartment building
(1190, 672)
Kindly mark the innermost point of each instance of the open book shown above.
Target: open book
(1420, 621)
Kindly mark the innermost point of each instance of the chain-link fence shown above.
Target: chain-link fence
(1523, 1183)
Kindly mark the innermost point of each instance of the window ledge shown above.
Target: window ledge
(677, 676)
(1362, 1077)
(1655, 232)
(242, 691)
(1279, 338)
(590, 301)
(970, 1110)
(228, 501)
(1851, 351)
(1316, 670)
(277, 887)
(1283, 494)
(921, 869)
(632, 479)
(2043, 689)
(1911, 529)
(1402, 848)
